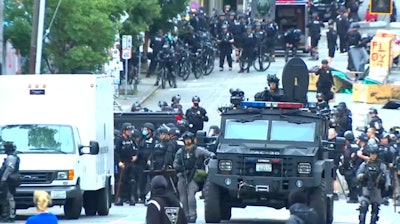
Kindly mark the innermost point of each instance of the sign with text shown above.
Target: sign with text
(380, 58)
(127, 42)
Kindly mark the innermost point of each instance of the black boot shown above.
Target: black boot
(361, 217)
(119, 202)
(374, 213)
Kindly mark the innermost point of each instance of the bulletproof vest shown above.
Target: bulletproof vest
(159, 148)
(259, 35)
(189, 159)
(315, 28)
(373, 173)
(195, 116)
(348, 162)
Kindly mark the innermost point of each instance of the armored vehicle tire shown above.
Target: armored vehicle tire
(73, 207)
(226, 212)
(89, 203)
(329, 210)
(317, 197)
(212, 202)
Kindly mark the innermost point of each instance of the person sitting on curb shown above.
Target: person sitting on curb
(42, 201)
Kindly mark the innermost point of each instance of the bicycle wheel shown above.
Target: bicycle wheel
(261, 63)
(209, 66)
(185, 69)
(286, 55)
(198, 71)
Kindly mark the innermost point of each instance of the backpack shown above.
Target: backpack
(170, 215)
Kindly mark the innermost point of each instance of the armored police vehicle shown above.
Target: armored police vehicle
(268, 149)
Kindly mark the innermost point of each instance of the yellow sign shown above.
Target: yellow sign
(380, 52)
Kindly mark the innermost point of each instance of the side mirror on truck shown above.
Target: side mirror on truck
(92, 149)
(336, 146)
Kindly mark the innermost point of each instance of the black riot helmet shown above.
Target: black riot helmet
(373, 149)
(127, 126)
(363, 137)
(9, 147)
(272, 78)
(136, 133)
(162, 130)
(176, 98)
(149, 125)
(188, 134)
(136, 107)
(162, 104)
(349, 136)
(174, 131)
(196, 98)
(373, 111)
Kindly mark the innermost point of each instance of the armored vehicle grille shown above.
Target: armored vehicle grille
(265, 166)
(37, 177)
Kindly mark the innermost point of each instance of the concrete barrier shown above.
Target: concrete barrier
(370, 28)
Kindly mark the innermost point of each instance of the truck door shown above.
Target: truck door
(292, 14)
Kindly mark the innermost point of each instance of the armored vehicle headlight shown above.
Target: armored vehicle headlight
(225, 165)
(304, 168)
(65, 175)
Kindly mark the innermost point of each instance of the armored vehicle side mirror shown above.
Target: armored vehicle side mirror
(336, 146)
(92, 149)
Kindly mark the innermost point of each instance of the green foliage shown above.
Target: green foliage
(79, 37)
(169, 10)
(142, 13)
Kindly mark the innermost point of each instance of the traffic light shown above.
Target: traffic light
(381, 6)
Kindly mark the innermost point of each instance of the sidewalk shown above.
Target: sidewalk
(145, 89)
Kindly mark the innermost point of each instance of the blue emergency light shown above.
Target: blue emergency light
(268, 104)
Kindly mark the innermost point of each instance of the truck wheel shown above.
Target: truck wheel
(317, 201)
(103, 203)
(73, 207)
(89, 203)
(329, 210)
(226, 212)
(212, 202)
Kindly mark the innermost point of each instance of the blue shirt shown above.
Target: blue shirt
(42, 218)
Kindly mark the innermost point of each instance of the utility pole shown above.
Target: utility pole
(34, 36)
(40, 29)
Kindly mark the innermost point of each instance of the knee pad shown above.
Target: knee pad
(364, 206)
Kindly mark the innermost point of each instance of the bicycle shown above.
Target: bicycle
(261, 60)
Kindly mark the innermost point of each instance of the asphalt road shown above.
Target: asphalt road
(214, 92)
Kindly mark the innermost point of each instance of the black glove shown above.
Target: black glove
(205, 118)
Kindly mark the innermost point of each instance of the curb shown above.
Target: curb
(126, 107)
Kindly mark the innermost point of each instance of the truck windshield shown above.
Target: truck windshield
(292, 131)
(246, 129)
(39, 138)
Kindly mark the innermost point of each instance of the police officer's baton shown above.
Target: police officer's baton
(121, 174)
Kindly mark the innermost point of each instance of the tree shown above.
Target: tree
(142, 14)
(80, 34)
(169, 10)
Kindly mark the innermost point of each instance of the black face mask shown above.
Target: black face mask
(196, 104)
(320, 100)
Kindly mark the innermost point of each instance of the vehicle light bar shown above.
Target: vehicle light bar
(279, 105)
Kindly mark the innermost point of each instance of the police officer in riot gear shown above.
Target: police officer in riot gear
(156, 43)
(9, 180)
(273, 93)
(315, 33)
(127, 155)
(162, 156)
(146, 146)
(373, 176)
(225, 41)
(185, 164)
(387, 155)
(196, 116)
(325, 80)
(248, 42)
(348, 167)
(342, 26)
(175, 103)
(353, 40)
(376, 121)
(272, 33)
(363, 153)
